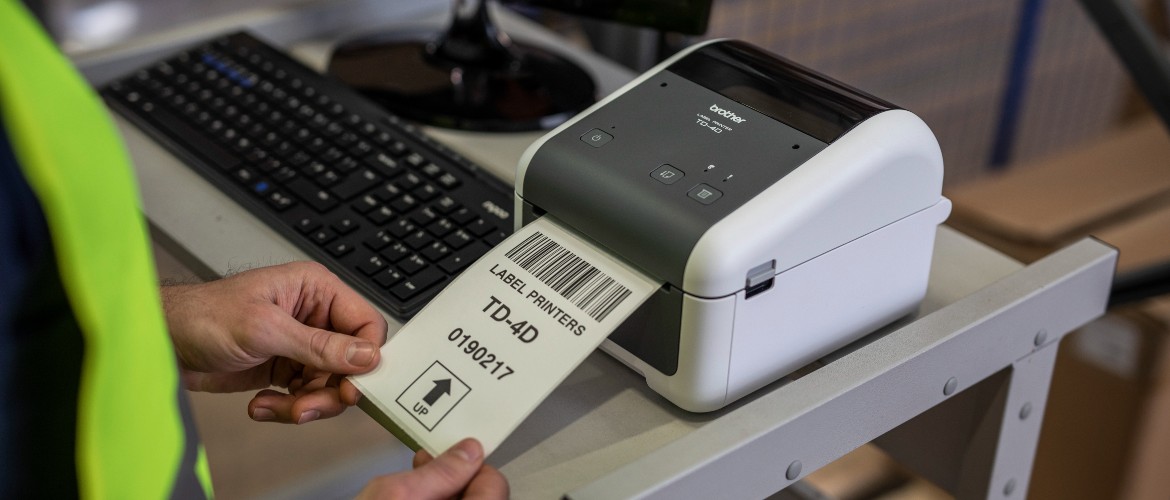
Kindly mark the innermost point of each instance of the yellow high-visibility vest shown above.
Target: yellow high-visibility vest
(131, 438)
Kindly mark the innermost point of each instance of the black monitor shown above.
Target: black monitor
(474, 77)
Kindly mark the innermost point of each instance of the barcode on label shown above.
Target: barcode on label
(585, 286)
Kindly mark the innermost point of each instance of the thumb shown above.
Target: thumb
(449, 473)
(329, 351)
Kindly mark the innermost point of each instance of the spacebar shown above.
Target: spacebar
(194, 140)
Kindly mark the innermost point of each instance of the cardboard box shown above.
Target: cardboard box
(1092, 433)
(867, 472)
(1117, 188)
(1107, 425)
(1150, 459)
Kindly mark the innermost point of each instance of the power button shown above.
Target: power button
(596, 138)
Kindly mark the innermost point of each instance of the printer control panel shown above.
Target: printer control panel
(649, 171)
(667, 159)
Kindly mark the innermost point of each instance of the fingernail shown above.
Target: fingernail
(263, 415)
(360, 353)
(308, 416)
(468, 449)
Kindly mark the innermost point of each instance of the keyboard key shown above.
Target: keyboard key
(316, 197)
(459, 260)
(384, 163)
(344, 225)
(269, 165)
(398, 149)
(244, 174)
(381, 215)
(378, 241)
(419, 239)
(455, 264)
(334, 109)
(409, 181)
(355, 184)
(280, 201)
(458, 239)
(495, 238)
(241, 144)
(395, 252)
(424, 217)
(426, 192)
(361, 148)
(401, 228)
(333, 129)
(463, 216)
(388, 191)
(284, 174)
(347, 139)
(299, 158)
(372, 265)
(346, 164)
(412, 264)
(314, 168)
(445, 205)
(307, 225)
(431, 170)
(480, 227)
(404, 203)
(339, 249)
(316, 144)
(365, 204)
(382, 138)
(307, 112)
(331, 155)
(229, 135)
(388, 277)
(261, 187)
(417, 284)
(436, 251)
(328, 178)
(415, 160)
(441, 227)
(323, 236)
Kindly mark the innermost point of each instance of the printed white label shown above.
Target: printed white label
(489, 348)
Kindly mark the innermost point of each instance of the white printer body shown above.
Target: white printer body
(786, 214)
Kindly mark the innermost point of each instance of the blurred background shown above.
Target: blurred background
(949, 62)
(1045, 139)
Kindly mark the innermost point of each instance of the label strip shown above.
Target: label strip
(487, 350)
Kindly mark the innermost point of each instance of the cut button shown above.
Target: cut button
(704, 194)
(596, 138)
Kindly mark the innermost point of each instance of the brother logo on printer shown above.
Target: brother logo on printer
(727, 114)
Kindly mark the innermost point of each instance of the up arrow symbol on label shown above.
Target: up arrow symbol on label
(441, 387)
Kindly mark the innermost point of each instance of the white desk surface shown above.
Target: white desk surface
(602, 417)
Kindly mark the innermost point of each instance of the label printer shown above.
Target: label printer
(785, 213)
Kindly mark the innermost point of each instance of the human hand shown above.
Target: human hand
(295, 325)
(456, 473)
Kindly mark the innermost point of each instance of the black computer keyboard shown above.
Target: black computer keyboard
(389, 210)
